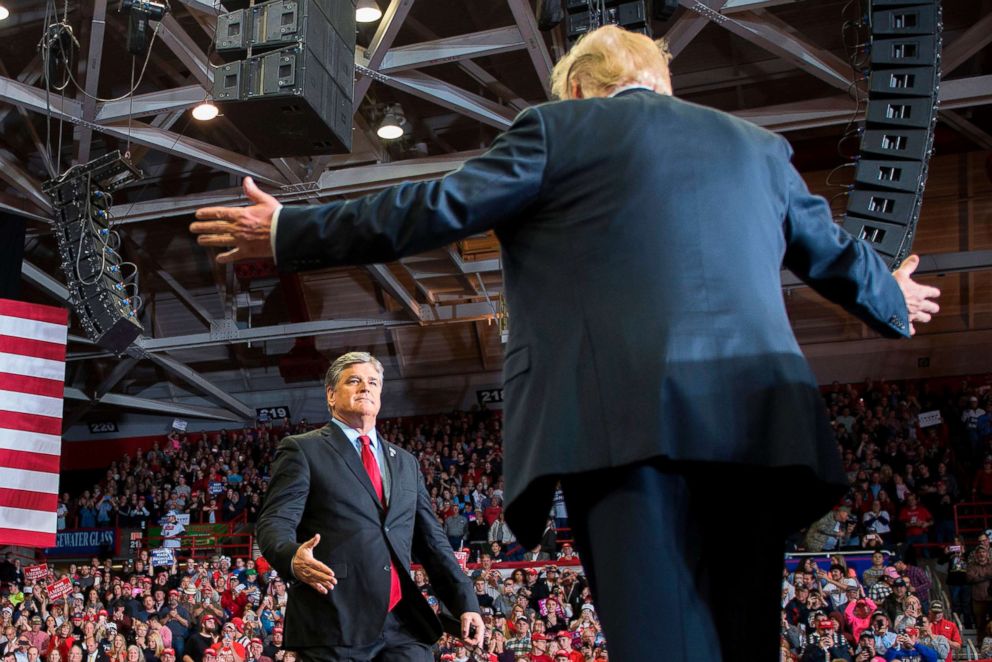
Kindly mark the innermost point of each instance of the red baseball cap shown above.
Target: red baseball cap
(256, 640)
(169, 651)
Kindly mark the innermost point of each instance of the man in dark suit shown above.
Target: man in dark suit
(361, 507)
(650, 367)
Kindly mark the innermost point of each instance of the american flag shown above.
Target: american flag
(32, 376)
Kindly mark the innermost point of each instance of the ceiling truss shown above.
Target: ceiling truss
(148, 120)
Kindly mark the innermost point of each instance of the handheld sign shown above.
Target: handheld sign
(59, 589)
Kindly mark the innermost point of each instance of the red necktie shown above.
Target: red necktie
(372, 469)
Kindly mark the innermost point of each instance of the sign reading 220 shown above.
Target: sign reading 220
(271, 413)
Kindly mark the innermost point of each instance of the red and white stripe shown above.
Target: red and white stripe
(32, 380)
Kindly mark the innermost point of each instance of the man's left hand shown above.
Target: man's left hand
(472, 619)
(246, 231)
(919, 298)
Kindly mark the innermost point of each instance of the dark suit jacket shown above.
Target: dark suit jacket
(319, 485)
(642, 241)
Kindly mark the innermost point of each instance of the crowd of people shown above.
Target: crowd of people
(912, 452)
(907, 473)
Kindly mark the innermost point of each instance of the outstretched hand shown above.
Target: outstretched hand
(919, 298)
(310, 571)
(473, 629)
(246, 231)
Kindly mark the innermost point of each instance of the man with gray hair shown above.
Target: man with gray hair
(344, 513)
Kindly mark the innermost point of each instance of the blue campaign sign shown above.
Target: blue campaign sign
(83, 542)
(215, 487)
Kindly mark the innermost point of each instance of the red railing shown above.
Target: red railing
(227, 544)
(972, 518)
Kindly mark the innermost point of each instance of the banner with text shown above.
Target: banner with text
(84, 542)
(36, 572)
(59, 589)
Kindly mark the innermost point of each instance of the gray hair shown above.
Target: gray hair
(333, 375)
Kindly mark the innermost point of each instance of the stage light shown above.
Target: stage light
(393, 123)
(367, 11)
(4, 12)
(206, 111)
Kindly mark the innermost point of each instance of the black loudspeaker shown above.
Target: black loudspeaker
(582, 18)
(903, 88)
(662, 10)
(103, 298)
(549, 14)
(293, 93)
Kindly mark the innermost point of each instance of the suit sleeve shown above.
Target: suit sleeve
(838, 266)
(283, 507)
(410, 218)
(432, 549)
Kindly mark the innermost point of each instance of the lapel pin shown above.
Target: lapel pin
(392, 452)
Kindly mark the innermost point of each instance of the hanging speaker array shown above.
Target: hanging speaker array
(897, 140)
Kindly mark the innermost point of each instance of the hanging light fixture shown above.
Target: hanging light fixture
(367, 11)
(206, 111)
(4, 12)
(393, 123)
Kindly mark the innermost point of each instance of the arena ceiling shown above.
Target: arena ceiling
(461, 69)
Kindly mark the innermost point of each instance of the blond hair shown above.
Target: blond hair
(610, 57)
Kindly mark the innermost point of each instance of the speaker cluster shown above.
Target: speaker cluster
(903, 76)
(103, 287)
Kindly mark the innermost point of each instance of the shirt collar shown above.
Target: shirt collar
(354, 434)
(626, 88)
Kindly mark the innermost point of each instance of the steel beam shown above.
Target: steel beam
(827, 111)
(173, 408)
(265, 333)
(44, 282)
(30, 75)
(198, 381)
(14, 174)
(973, 40)
(480, 75)
(966, 128)
(152, 103)
(209, 7)
(181, 293)
(21, 207)
(686, 28)
(523, 14)
(194, 150)
(94, 58)
(184, 47)
(776, 36)
(389, 26)
(732, 6)
(448, 96)
(385, 278)
(225, 336)
(450, 49)
(32, 98)
(936, 264)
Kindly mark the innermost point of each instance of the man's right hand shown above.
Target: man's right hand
(310, 571)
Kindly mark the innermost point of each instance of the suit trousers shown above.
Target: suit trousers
(681, 558)
(395, 644)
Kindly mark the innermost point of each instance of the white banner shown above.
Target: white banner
(930, 418)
